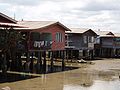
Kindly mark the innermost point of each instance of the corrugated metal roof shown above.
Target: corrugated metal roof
(35, 24)
(103, 33)
(78, 30)
(117, 34)
(107, 36)
(100, 33)
(39, 24)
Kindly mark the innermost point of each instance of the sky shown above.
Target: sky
(93, 14)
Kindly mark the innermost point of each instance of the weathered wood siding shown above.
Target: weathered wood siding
(77, 39)
(107, 42)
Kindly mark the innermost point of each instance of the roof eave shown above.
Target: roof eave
(9, 18)
(66, 28)
(90, 30)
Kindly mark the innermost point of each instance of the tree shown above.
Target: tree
(8, 45)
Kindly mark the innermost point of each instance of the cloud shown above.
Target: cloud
(98, 14)
(21, 2)
(96, 5)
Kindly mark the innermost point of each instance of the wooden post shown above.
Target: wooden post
(44, 63)
(4, 66)
(63, 62)
(66, 55)
(71, 55)
(13, 63)
(27, 69)
(100, 52)
(19, 62)
(39, 62)
(31, 62)
(52, 65)
(47, 56)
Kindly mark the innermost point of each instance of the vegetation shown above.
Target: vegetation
(9, 40)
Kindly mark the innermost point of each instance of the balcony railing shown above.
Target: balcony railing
(40, 44)
(69, 46)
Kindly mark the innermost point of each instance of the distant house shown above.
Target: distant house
(80, 42)
(44, 35)
(116, 44)
(104, 46)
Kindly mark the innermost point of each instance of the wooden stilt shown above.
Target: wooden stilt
(68, 55)
(13, 64)
(4, 65)
(63, 63)
(65, 55)
(31, 62)
(71, 55)
(19, 62)
(52, 65)
(39, 62)
(44, 63)
(27, 63)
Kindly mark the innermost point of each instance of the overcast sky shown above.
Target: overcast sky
(94, 14)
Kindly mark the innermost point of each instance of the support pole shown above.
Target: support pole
(19, 62)
(4, 64)
(44, 63)
(63, 62)
(52, 65)
(39, 62)
(27, 63)
(71, 55)
(31, 62)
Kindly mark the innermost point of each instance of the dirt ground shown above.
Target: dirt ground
(101, 74)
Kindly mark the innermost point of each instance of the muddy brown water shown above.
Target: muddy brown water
(103, 75)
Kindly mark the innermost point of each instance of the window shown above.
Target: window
(98, 40)
(85, 39)
(92, 39)
(35, 36)
(59, 37)
(89, 39)
(46, 37)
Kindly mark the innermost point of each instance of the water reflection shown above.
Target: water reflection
(11, 77)
(98, 85)
(92, 81)
(76, 79)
